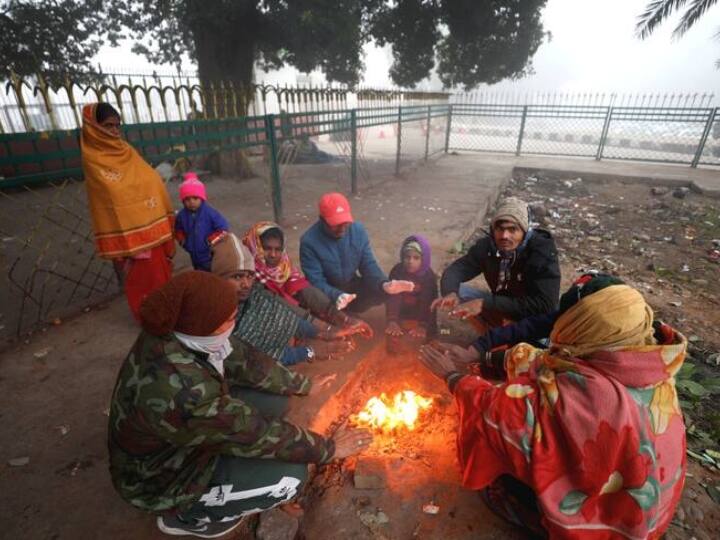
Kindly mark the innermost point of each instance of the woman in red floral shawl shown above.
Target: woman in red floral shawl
(585, 439)
(274, 269)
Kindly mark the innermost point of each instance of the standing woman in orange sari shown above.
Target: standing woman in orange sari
(132, 216)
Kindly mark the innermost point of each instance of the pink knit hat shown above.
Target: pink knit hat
(192, 187)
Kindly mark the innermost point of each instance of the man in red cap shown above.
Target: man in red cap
(336, 257)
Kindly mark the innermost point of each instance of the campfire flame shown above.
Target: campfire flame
(385, 415)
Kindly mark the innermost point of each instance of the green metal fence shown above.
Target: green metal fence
(46, 246)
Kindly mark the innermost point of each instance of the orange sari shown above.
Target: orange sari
(129, 205)
(132, 217)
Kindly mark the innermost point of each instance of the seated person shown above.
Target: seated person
(520, 265)
(409, 312)
(185, 448)
(265, 322)
(274, 269)
(336, 257)
(585, 439)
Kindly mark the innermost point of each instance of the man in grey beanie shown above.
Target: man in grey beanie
(520, 265)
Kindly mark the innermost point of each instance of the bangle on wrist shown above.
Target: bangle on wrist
(452, 378)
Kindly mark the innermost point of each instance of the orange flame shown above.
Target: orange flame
(380, 413)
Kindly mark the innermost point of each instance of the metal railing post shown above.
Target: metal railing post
(427, 132)
(274, 168)
(704, 138)
(522, 130)
(353, 151)
(447, 128)
(399, 142)
(603, 134)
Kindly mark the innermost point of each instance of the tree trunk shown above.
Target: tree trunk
(225, 49)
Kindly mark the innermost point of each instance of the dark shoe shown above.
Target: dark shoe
(178, 527)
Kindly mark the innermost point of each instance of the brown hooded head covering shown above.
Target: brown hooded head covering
(194, 303)
(231, 256)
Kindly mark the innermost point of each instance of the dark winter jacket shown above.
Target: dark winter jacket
(534, 284)
(194, 230)
(528, 330)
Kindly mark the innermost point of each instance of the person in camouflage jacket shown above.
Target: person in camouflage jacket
(174, 418)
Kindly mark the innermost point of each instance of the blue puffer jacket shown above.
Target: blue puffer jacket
(192, 230)
(330, 263)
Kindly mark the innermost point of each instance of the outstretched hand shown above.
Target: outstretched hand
(358, 326)
(398, 286)
(349, 442)
(437, 361)
(449, 301)
(460, 355)
(343, 300)
(467, 309)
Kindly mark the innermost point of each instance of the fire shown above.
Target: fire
(383, 414)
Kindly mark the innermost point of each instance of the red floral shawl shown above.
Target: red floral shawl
(284, 279)
(601, 441)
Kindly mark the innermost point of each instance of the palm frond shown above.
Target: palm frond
(655, 13)
(692, 15)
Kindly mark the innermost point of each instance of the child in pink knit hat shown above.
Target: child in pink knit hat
(198, 225)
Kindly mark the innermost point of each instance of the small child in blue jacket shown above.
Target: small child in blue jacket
(198, 225)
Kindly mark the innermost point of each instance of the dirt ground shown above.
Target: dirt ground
(54, 390)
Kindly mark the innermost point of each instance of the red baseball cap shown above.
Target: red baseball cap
(335, 209)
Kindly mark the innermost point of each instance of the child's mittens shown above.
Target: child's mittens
(343, 300)
(397, 286)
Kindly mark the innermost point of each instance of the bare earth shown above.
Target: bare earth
(54, 391)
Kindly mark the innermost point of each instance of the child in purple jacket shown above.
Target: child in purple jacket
(409, 314)
(198, 225)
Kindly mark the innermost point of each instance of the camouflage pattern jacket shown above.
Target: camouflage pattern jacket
(172, 416)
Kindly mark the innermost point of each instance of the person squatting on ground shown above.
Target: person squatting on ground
(274, 270)
(585, 438)
(408, 314)
(267, 323)
(196, 434)
(520, 265)
(336, 257)
(198, 225)
(131, 213)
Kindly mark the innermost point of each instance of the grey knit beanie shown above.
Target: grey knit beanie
(512, 209)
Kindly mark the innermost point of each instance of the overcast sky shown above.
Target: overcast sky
(593, 48)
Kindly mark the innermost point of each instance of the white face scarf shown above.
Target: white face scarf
(217, 348)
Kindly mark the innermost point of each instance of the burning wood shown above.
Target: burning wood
(381, 413)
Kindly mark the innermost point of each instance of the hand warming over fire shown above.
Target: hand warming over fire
(467, 309)
(438, 361)
(460, 355)
(349, 442)
(398, 286)
(358, 326)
